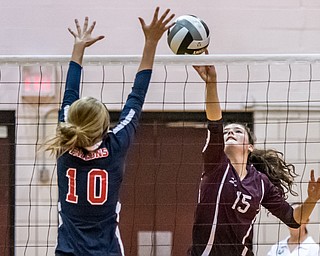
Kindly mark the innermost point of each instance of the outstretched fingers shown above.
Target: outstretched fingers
(77, 26)
(169, 19)
(164, 20)
(312, 178)
(314, 187)
(85, 24)
(142, 22)
(155, 15)
(98, 38)
(157, 27)
(72, 32)
(84, 36)
(91, 27)
(164, 15)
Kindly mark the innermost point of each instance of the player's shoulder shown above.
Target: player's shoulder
(311, 243)
(256, 174)
(257, 177)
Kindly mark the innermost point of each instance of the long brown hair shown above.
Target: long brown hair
(87, 122)
(271, 162)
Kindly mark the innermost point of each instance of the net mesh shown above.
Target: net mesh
(278, 95)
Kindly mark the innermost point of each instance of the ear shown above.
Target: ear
(250, 148)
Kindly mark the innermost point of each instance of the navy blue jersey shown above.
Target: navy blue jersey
(89, 182)
(227, 206)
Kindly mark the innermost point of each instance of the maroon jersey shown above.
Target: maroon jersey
(227, 206)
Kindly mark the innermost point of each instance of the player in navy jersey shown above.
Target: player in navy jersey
(236, 181)
(90, 157)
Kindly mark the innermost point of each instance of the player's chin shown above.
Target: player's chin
(231, 146)
(231, 142)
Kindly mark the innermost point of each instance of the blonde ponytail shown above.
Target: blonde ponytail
(88, 121)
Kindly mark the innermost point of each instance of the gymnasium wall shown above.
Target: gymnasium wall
(237, 27)
(248, 26)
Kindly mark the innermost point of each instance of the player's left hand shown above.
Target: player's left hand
(83, 36)
(207, 73)
(154, 31)
(314, 187)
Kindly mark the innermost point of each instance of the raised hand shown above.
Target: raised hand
(207, 73)
(154, 31)
(314, 187)
(302, 213)
(83, 36)
(82, 39)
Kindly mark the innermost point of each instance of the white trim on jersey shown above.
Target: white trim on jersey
(60, 221)
(94, 147)
(204, 149)
(262, 190)
(199, 193)
(207, 140)
(208, 248)
(65, 113)
(124, 122)
(118, 208)
(245, 250)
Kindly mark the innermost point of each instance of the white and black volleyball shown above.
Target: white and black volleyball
(189, 35)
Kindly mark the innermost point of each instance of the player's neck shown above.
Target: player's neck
(240, 165)
(298, 239)
(241, 170)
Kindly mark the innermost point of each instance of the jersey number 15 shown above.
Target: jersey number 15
(95, 177)
(244, 201)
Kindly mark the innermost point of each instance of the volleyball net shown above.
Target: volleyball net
(277, 95)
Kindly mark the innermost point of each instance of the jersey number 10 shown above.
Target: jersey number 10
(94, 197)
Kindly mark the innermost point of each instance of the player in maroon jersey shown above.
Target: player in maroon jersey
(236, 181)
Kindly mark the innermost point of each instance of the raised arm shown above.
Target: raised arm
(152, 34)
(213, 152)
(131, 112)
(82, 40)
(302, 213)
(209, 76)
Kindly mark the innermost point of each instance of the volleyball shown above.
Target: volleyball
(189, 35)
